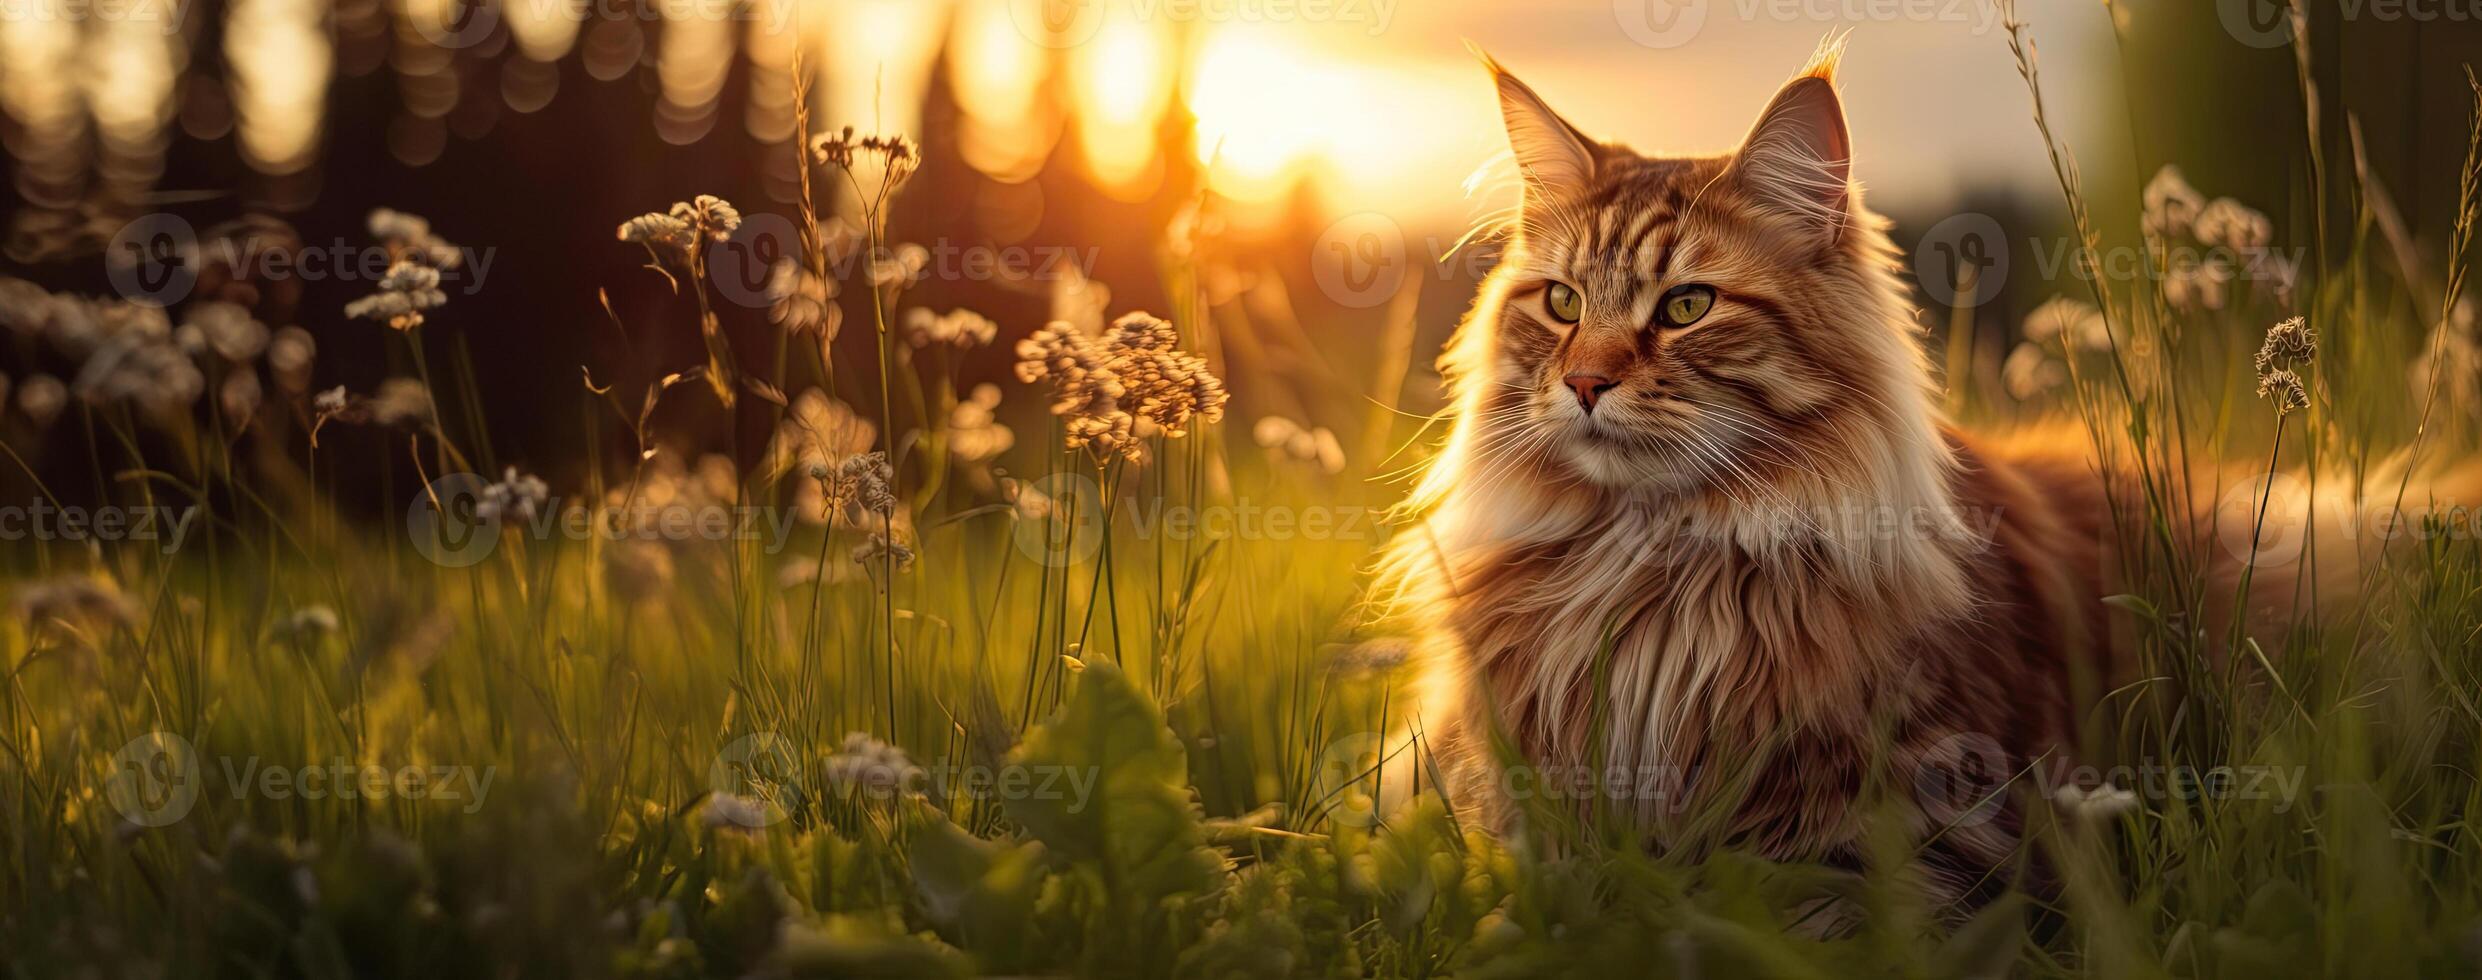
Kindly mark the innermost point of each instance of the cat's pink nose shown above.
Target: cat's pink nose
(1589, 388)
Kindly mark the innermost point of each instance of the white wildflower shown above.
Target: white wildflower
(240, 395)
(230, 330)
(290, 355)
(868, 764)
(961, 328)
(727, 811)
(516, 497)
(42, 397)
(2094, 805)
(2072, 323)
(975, 433)
(801, 302)
(2172, 206)
(2030, 371)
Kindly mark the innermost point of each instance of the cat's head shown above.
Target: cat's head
(1699, 322)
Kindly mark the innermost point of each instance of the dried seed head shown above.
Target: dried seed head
(1085, 391)
(290, 355)
(516, 497)
(329, 402)
(408, 289)
(409, 238)
(2030, 371)
(880, 550)
(88, 602)
(240, 395)
(2289, 344)
(960, 328)
(866, 485)
(901, 267)
(818, 430)
(2074, 324)
(401, 401)
(864, 762)
(801, 302)
(42, 397)
(844, 147)
(1166, 386)
(663, 234)
(731, 812)
(232, 332)
(2285, 389)
(141, 369)
(975, 433)
(709, 216)
(2234, 225)
(1299, 443)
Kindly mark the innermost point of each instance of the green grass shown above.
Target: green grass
(1211, 694)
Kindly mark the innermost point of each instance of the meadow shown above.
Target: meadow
(1078, 674)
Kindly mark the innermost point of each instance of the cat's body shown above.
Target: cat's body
(1708, 654)
(1699, 519)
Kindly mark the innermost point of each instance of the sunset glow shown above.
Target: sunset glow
(1122, 86)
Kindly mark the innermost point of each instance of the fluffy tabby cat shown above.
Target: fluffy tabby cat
(1699, 513)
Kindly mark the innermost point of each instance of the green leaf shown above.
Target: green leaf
(1416, 866)
(981, 893)
(1118, 796)
(1986, 945)
(1257, 933)
(2134, 605)
(861, 946)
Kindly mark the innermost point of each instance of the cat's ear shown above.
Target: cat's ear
(1799, 158)
(1554, 157)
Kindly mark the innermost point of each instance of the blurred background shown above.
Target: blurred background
(1331, 153)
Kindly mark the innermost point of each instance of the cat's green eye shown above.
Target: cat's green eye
(1684, 305)
(1566, 305)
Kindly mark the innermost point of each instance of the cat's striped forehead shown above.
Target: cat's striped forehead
(1638, 222)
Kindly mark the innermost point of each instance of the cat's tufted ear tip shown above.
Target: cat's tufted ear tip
(1799, 158)
(1828, 58)
(1553, 156)
(1489, 64)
